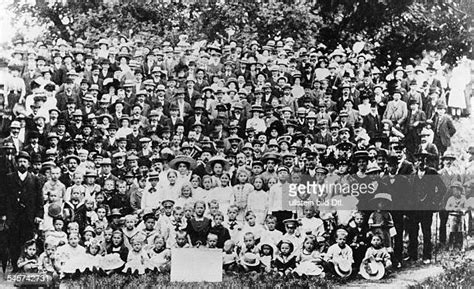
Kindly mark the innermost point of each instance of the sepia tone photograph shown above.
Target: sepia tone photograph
(236, 144)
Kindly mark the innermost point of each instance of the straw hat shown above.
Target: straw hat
(54, 210)
(372, 270)
(217, 159)
(190, 162)
(308, 268)
(250, 260)
(343, 267)
(111, 262)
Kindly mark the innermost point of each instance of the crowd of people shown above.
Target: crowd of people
(116, 151)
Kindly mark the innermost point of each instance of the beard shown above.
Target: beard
(22, 169)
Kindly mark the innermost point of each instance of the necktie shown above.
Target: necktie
(232, 225)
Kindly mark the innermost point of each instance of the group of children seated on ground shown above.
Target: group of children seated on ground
(137, 244)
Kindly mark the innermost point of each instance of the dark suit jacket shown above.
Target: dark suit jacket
(9, 139)
(445, 130)
(406, 168)
(101, 180)
(192, 120)
(372, 124)
(23, 200)
(429, 190)
(66, 180)
(188, 110)
(6, 166)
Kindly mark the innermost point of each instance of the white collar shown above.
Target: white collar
(22, 175)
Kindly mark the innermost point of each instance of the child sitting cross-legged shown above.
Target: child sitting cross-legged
(375, 256)
(137, 259)
(285, 261)
(230, 257)
(339, 255)
(159, 256)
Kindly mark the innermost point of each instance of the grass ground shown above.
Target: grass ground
(234, 281)
(459, 273)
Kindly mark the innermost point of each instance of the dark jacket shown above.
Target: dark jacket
(23, 201)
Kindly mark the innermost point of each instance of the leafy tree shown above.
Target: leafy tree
(397, 28)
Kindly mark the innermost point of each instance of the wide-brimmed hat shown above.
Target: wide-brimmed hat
(381, 197)
(271, 156)
(448, 155)
(423, 154)
(308, 268)
(67, 158)
(361, 155)
(115, 213)
(256, 108)
(250, 260)
(456, 184)
(372, 169)
(54, 210)
(111, 262)
(90, 174)
(343, 267)
(217, 159)
(189, 161)
(23, 155)
(371, 269)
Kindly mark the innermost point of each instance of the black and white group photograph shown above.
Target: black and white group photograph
(236, 144)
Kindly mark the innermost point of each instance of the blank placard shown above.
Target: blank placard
(196, 265)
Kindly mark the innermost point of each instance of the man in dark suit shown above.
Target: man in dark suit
(22, 206)
(72, 162)
(184, 108)
(198, 117)
(428, 190)
(7, 159)
(34, 147)
(372, 122)
(398, 187)
(106, 167)
(444, 129)
(14, 138)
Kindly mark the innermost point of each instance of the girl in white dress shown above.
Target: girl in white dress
(137, 259)
(258, 200)
(460, 77)
(222, 193)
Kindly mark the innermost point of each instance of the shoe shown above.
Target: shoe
(427, 261)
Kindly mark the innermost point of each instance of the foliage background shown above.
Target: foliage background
(396, 28)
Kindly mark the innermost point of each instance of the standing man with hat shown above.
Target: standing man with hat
(449, 174)
(22, 206)
(14, 136)
(428, 190)
(72, 162)
(7, 159)
(415, 119)
(397, 110)
(443, 128)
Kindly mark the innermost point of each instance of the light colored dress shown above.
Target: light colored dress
(136, 262)
(258, 203)
(223, 195)
(460, 77)
(240, 194)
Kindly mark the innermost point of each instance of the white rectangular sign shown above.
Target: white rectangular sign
(196, 265)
